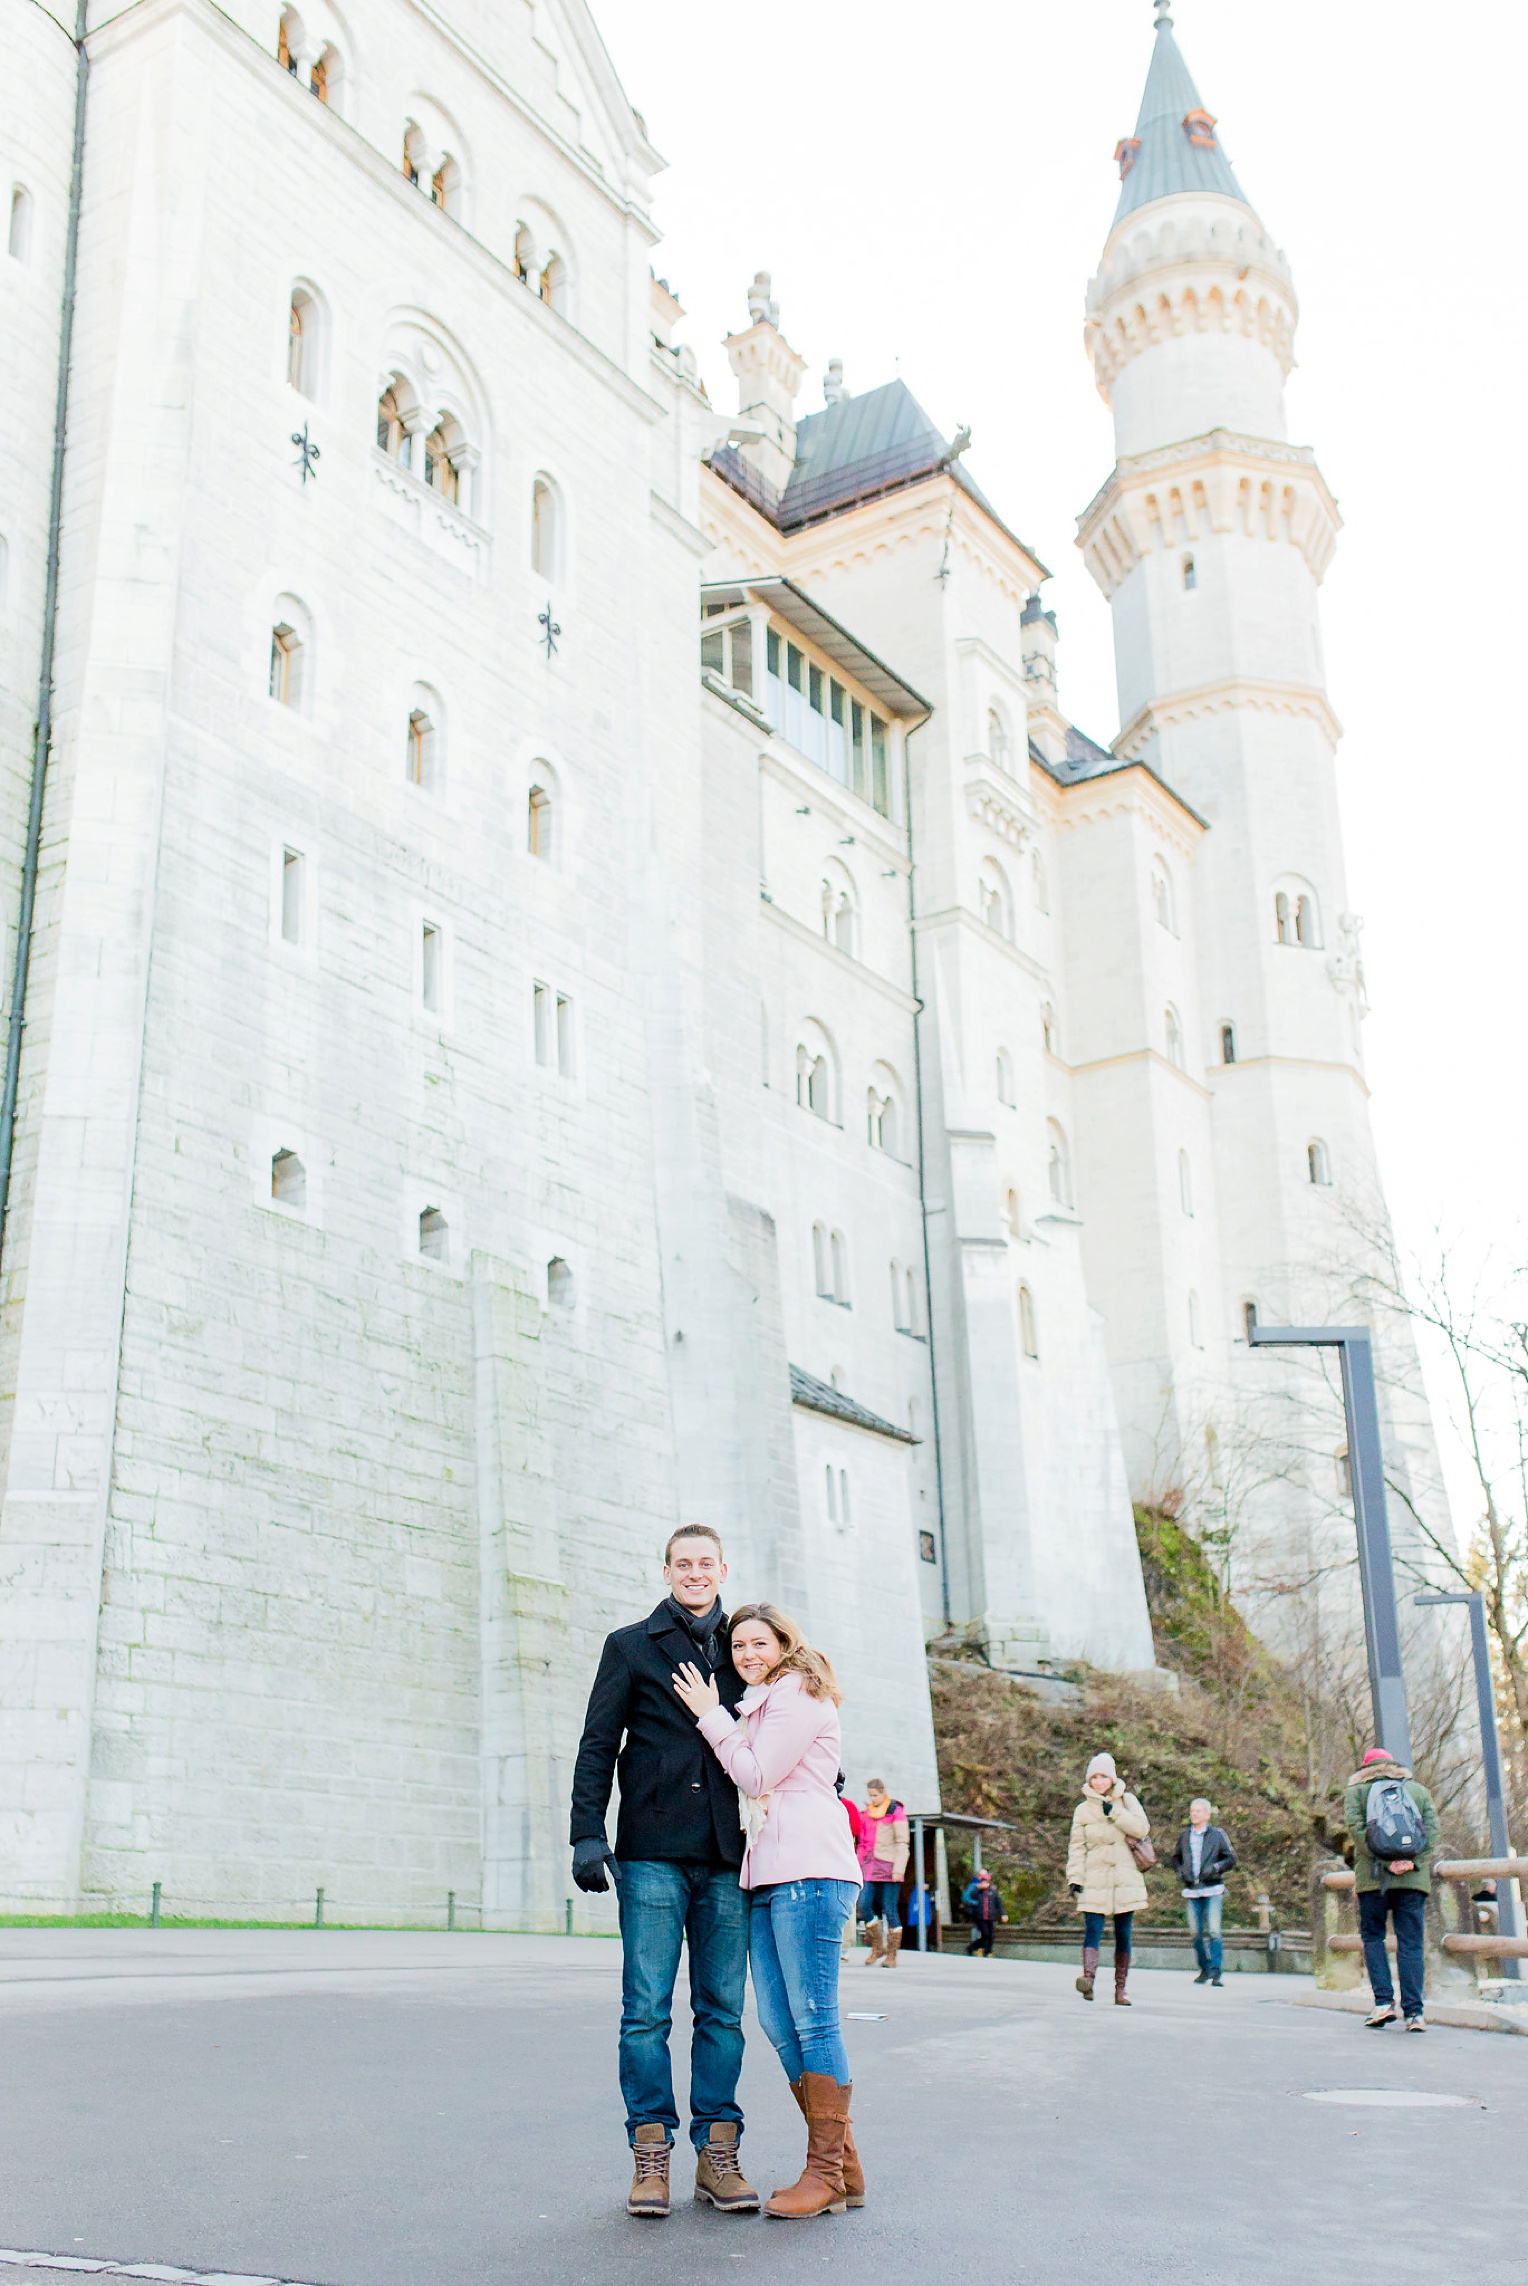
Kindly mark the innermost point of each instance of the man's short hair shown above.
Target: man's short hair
(1199, 1803)
(691, 1532)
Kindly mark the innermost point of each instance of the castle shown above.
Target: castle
(581, 977)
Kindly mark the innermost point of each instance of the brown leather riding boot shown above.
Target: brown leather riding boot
(719, 2180)
(1121, 1971)
(649, 2193)
(1089, 1971)
(893, 1947)
(854, 2173)
(819, 2189)
(877, 1942)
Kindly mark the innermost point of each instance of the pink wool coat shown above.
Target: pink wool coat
(785, 1749)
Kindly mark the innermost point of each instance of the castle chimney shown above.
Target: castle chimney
(769, 376)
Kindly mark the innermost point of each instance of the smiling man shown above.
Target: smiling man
(678, 1848)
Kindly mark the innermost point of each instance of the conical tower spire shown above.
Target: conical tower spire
(1174, 147)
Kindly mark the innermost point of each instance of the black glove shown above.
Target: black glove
(1075, 1887)
(589, 1865)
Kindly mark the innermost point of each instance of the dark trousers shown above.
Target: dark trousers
(1408, 1909)
(664, 1907)
(981, 1937)
(1093, 1934)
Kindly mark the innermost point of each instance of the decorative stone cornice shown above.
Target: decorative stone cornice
(1232, 695)
(1000, 807)
(1255, 487)
(1211, 269)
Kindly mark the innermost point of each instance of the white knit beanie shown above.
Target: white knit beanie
(1102, 1762)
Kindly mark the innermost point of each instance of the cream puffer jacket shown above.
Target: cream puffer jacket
(1099, 1857)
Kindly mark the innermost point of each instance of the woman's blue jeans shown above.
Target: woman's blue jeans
(1093, 1932)
(795, 1930)
(881, 1901)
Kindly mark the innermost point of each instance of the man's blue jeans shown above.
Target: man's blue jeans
(1408, 1907)
(662, 1907)
(1204, 1923)
(794, 1934)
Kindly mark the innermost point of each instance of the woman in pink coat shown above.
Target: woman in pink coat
(782, 1753)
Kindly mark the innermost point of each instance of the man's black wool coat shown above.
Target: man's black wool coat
(677, 1801)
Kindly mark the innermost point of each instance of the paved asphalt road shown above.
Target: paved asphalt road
(375, 2110)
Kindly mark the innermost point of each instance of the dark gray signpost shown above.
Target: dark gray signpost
(1366, 1471)
(1490, 1754)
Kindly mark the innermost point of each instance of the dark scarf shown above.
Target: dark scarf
(705, 1629)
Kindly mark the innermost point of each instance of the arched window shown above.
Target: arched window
(524, 257)
(422, 743)
(1005, 1088)
(287, 649)
(1185, 1183)
(546, 535)
(289, 40)
(1249, 1318)
(1195, 1330)
(1296, 917)
(1228, 1043)
(1048, 1028)
(999, 744)
(413, 151)
(1172, 1025)
(1013, 1217)
(305, 343)
(19, 239)
(289, 1179)
(1305, 921)
(815, 1090)
(992, 898)
(393, 434)
(440, 471)
(1190, 575)
(840, 908)
(1318, 1162)
(822, 1263)
(559, 1283)
(1058, 1167)
(324, 79)
(1283, 919)
(434, 1235)
(1163, 902)
(839, 1248)
(1029, 1332)
(1039, 883)
(538, 822)
(553, 283)
(445, 186)
(883, 1122)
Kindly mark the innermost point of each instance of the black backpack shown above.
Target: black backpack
(1393, 1824)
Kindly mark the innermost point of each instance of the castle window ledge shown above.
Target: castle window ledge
(442, 528)
(998, 804)
(735, 698)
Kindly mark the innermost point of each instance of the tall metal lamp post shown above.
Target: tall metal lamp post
(1490, 1755)
(1366, 1471)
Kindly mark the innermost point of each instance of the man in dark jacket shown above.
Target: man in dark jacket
(678, 1848)
(983, 1908)
(1201, 1861)
(1395, 1887)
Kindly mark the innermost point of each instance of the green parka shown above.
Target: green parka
(1355, 1816)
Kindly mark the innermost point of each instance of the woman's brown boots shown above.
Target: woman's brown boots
(893, 1947)
(854, 2173)
(820, 2188)
(877, 1942)
(1121, 1971)
(1089, 1971)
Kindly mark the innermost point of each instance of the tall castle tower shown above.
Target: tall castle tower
(1210, 539)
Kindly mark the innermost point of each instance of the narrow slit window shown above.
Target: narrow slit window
(543, 1022)
(289, 1179)
(432, 967)
(293, 868)
(1190, 573)
(286, 666)
(434, 1235)
(564, 1035)
(1228, 1043)
(539, 823)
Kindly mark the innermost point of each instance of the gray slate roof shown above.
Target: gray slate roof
(821, 1397)
(1167, 162)
(878, 442)
(1085, 759)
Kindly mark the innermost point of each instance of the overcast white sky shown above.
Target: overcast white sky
(932, 189)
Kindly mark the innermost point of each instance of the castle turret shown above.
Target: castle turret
(769, 376)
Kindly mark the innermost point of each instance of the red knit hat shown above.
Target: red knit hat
(1378, 1754)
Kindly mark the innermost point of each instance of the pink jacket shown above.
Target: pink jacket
(786, 1749)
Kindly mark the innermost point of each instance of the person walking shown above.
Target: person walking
(1201, 1861)
(984, 1909)
(781, 1748)
(1393, 1824)
(883, 1851)
(1101, 1869)
(678, 1851)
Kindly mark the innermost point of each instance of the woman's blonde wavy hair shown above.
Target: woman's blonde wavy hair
(797, 1658)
